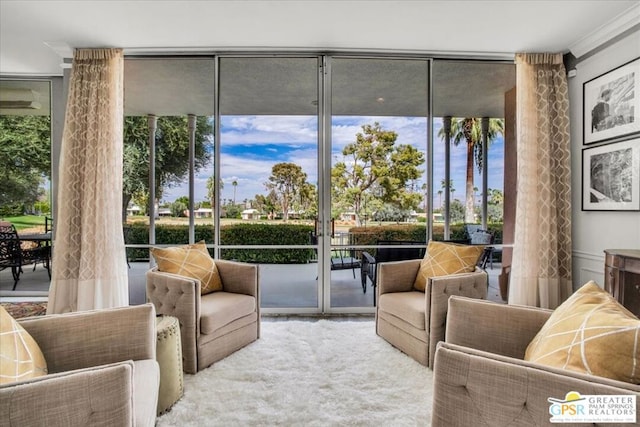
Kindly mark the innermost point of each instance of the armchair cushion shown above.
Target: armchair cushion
(222, 308)
(590, 333)
(443, 259)
(20, 355)
(408, 306)
(191, 261)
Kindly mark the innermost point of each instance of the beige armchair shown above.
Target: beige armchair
(102, 371)
(213, 325)
(414, 321)
(481, 379)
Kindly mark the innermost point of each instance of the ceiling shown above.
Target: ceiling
(36, 37)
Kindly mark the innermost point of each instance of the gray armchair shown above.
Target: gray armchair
(212, 326)
(414, 321)
(481, 379)
(102, 371)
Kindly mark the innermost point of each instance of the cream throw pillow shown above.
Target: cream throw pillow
(191, 261)
(591, 333)
(20, 356)
(444, 258)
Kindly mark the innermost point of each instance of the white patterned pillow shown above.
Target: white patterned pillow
(591, 333)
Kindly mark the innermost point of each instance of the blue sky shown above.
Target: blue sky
(251, 145)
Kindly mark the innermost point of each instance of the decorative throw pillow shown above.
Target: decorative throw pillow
(443, 259)
(20, 356)
(191, 261)
(591, 333)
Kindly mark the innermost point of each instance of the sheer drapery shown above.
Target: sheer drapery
(541, 268)
(89, 265)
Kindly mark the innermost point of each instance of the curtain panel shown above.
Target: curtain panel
(541, 267)
(89, 262)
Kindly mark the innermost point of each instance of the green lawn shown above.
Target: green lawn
(26, 221)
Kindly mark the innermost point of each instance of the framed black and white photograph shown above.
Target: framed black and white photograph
(611, 104)
(611, 177)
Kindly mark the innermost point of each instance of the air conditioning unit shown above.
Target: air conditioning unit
(19, 99)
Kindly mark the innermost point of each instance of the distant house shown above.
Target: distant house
(164, 212)
(250, 214)
(348, 216)
(203, 213)
(133, 210)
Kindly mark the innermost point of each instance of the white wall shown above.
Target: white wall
(593, 232)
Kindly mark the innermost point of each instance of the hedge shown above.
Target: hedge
(282, 234)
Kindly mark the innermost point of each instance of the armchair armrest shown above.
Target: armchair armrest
(481, 325)
(238, 277)
(97, 337)
(469, 385)
(99, 396)
(397, 276)
(178, 296)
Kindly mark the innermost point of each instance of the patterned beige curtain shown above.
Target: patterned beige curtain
(89, 264)
(541, 268)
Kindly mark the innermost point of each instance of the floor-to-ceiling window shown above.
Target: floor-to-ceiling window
(25, 152)
(378, 166)
(269, 145)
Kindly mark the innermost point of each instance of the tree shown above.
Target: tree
(495, 205)
(211, 190)
(235, 185)
(469, 130)
(25, 158)
(267, 204)
(374, 164)
(286, 180)
(172, 154)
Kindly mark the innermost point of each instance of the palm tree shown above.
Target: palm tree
(469, 130)
(235, 184)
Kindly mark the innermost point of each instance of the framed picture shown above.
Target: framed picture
(611, 177)
(611, 104)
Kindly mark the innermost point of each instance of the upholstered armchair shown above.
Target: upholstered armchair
(102, 370)
(414, 321)
(482, 379)
(214, 325)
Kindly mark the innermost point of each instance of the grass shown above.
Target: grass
(26, 221)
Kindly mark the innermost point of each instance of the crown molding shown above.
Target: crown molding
(626, 20)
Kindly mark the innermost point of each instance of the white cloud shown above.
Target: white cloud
(300, 133)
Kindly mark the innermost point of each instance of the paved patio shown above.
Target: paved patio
(283, 286)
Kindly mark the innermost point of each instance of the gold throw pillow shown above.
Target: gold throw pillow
(591, 333)
(191, 261)
(444, 258)
(20, 356)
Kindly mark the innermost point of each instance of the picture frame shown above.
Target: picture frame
(611, 104)
(611, 177)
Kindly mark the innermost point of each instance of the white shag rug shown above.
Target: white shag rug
(308, 373)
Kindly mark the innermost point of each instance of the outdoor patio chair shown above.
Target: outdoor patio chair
(341, 259)
(14, 253)
(484, 237)
(387, 254)
(344, 259)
